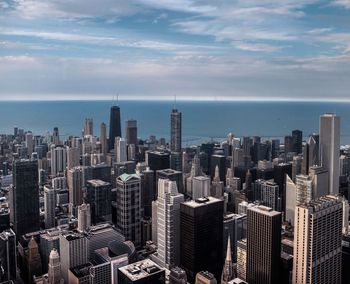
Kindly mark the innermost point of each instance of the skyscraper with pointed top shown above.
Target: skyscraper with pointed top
(114, 126)
(54, 274)
(228, 272)
(176, 121)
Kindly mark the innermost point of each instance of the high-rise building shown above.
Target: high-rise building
(200, 187)
(24, 197)
(49, 206)
(242, 259)
(220, 161)
(114, 126)
(270, 195)
(172, 175)
(120, 150)
(317, 256)
(73, 157)
(131, 131)
(201, 236)
(58, 160)
(175, 134)
(99, 197)
(89, 126)
(33, 261)
(56, 136)
(177, 276)
(330, 148)
(103, 138)
(310, 155)
(8, 257)
(54, 273)
(129, 207)
(75, 179)
(263, 245)
(205, 277)
(158, 160)
(288, 144)
(168, 222)
(73, 251)
(29, 143)
(84, 217)
(297, 136)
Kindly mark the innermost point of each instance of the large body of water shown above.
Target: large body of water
(201, 120)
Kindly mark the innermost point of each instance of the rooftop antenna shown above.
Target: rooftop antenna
(174, 101)
(114, 99)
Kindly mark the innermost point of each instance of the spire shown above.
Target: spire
(217, 174)
(228, 272)
(228, 251)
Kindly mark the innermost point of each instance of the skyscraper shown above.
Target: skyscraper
(297, 136)
(75, 179)
(8, 257)
(88, 127)
(54, 274)
(120, 150)
(49, 206)
(131, 131)
(25, 197)
(317, 256)
(103, 138)
(73, 157)
(175, 134)
(84, 217)
(29, 143)
(263, 245)
(228, 272)
(168, 222)
(129, 207)
(56, 136)
(330, 148)
(201, 236)
(114, 126)
(58, 160)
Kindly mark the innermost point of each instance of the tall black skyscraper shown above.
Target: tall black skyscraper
(297, 141)
(175, 135)
(25, 197)
(201, 223)
(114, 126)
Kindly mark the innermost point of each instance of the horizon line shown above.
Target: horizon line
(60, 98)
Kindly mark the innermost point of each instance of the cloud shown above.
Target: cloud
(256, 47)
(342, 3)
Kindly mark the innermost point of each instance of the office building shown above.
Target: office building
(73, 157)
(242, 259)
(120, 150)
(220, 162)
(175, 133)
(89, 126)
(29, 143)
(168, 223)
(99, 197)
(128, 205)
(172, 175)
(205, 277)
(310, 155)
(270, 195)
(263, 245)
(84, 217)
(144, 271)
(297, 136)
(131, 131)
(74, 249)
(49, 206)
(318, 241)
(75, 179)
(58, 160)
(8, 257)
(103, 139)
(158, 160)
(177, 276)
(330, 149)
(54, 273)
(201, 236)
(24, 199)
(114, 126)
(200, 187)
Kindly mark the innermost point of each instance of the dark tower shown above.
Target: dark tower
(114, 126)
(297, 141)
(263, 245)
(25, 197)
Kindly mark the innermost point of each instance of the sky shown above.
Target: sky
(159, 49)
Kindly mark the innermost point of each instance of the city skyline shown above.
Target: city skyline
(198, 50)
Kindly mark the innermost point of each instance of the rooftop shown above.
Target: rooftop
(201, 201)
(141, 269)
(97, 182)
(264, 210)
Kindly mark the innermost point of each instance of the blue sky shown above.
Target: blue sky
(151, 49)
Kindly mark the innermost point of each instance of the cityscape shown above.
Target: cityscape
(116, 208)
(174, 142)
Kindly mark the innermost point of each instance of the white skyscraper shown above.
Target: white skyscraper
(168, 222)
(200, 187)
(330, 148)
(120, 149)
(49, 206)
(84, 217)
(54, 273)
(317, 256)
(58, 160)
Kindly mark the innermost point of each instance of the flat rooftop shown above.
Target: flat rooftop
(264, 210)
(202, 201)
(141, 269)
